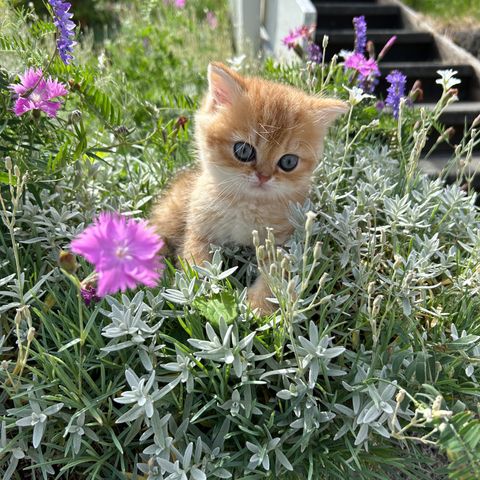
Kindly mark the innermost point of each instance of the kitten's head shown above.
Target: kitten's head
(261, 138)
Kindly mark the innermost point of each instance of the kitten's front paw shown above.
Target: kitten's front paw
(257, 296)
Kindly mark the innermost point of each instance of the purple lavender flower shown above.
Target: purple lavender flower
(65, 27)
(360, 27)
(396, 90)
(89, 294)
(314, 53)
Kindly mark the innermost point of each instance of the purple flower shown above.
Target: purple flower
(211, 20)
(364, 66)
(36, 93)
(89, 294)
(360, 27)
(314, 53)
(66, 29)
(295, 36)
(124, 252)
(396, 90)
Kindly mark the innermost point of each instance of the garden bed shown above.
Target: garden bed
(368, 367)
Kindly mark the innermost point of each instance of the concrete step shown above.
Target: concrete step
(426, 72)
(437, 164)
(333, 15)
(409, 46)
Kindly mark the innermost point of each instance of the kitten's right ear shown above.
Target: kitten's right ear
(224, 85)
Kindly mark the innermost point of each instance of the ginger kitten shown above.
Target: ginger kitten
(258, 143)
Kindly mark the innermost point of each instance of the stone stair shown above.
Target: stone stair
(415, 53)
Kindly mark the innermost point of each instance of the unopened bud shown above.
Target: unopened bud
(8, 163)
(16, 171)
(261, 253)
(291, 287)
(270, 235)
(75, 117)
(4, 365)
(309, 222)
(325, 41)
(23, 313)
(376, 305)
(67, 261)
(371, 49)
(475, 122)
(121, 131)
(323, 280)
(273, 270)
(386, 48)
(255, 239)
(317, 251)
(285, 264)
(400, 396)
(30, 334)
(446, 135)
(437, 403)
(453, 92)
(371, 288)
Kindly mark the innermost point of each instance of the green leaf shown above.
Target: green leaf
(220, 305)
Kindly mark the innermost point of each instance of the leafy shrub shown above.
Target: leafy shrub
(372, 356)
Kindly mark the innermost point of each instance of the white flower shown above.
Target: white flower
(356, 95)
(447, 79)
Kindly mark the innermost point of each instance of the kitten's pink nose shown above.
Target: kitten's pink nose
(263, 178)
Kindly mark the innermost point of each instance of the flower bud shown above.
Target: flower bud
(400, 396)
(317, 251)
(121, 131)
(273, 269)
(371, 49)
(4, 365)
(325, 41)
(8, 163)
(255, 239)
(475, 122)
(437, 403)
(23, 313)
(323, 280)
(309, 222)
(291, 287)
(386, 48)
(181, 122)
(16, 171)
(75, 117)
(68, 261)
(31, 334)
(376, 305)
(261, 253)
(371, 288)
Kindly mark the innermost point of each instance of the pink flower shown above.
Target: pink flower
(124, 252)
(365, 67)
(211, 20)
(36, 93)
(180, 3)
(295, 36)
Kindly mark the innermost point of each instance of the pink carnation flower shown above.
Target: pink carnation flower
(364, 66)
(124, 252)
(294, 36)
(36, 93)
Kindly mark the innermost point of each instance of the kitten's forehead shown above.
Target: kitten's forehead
(276, 111)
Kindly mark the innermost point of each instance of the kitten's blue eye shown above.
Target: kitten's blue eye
(288, 162)
(244, 152)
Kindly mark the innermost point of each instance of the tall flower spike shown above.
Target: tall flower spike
(360, 27)
(65, 27)
(124, 252)
(396, 90)
(37, 93)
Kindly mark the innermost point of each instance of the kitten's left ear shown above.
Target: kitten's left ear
(329, 109)
(224, 85)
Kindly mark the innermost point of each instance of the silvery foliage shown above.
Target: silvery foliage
(75, 430)
(34, 416)
(130, 327)
(226, 347)
(470, 346)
